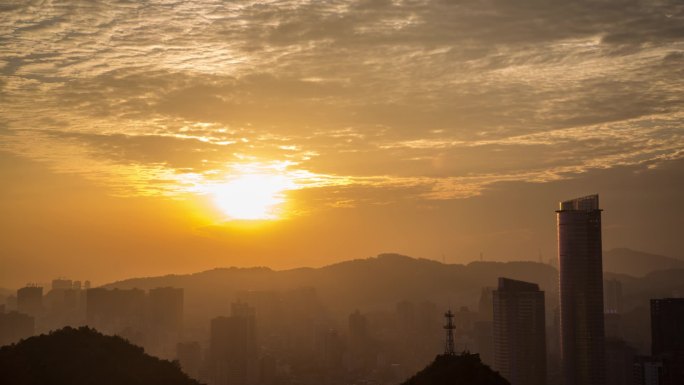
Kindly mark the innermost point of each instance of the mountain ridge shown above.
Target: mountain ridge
(645, 263)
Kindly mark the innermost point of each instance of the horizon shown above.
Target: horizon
(46, 283)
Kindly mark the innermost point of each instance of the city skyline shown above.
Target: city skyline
(269, 331)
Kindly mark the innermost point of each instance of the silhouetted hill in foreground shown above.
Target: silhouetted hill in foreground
(637, 263)
(84, 356)
(464, 369)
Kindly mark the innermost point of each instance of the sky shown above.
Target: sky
(151, 137)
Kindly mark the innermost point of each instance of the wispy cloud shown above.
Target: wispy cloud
(436, 99)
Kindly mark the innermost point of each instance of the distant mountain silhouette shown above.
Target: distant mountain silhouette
(367, 284)
(657, 284)
(637, 263)
(84, 356)
(380, 282)
(464, 369)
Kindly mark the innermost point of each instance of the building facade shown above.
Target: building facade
(519, 332)
(581, 291)
(667, 338)
(233, 352)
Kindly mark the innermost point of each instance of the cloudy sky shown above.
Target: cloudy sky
(439, 129)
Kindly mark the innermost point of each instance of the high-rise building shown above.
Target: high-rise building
(581, 291)
(233, 351)
(485, 304)
(30, 300)
(483, 327)
(62, 284)
(332, 355)
(612, 296)
(358, 326)
(268, 370)
(520, 332)
(165, 319)
(15, 326)
(667, 337)
(647, 371)
(189, 356)
(117, 311)
(619, 362)
(667, 325)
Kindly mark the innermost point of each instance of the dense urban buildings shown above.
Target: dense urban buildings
(520, 332)
(338, 335)
(581, 291)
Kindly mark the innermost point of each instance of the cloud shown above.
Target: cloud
(429, 99)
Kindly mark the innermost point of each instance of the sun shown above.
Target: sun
(252, 196)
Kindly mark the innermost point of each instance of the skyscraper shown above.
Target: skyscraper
(581, 291)
(520, 332)
(667, 337)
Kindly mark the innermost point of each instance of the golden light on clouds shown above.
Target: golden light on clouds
(257, 191)
(321, 112)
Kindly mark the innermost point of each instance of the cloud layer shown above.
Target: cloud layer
(425, 99)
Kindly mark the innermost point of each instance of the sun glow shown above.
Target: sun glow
(252, 196)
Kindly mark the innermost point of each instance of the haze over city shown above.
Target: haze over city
(337, 192)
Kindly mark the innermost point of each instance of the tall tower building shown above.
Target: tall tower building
(520, 332)
(581, 291)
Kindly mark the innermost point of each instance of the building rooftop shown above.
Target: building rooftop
(585, 203)
(507, 284)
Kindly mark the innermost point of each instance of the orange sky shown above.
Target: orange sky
(133, 135)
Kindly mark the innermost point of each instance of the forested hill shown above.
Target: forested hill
(84, 356)
(463, 369)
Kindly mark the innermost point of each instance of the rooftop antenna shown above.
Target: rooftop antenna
(449, 349)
